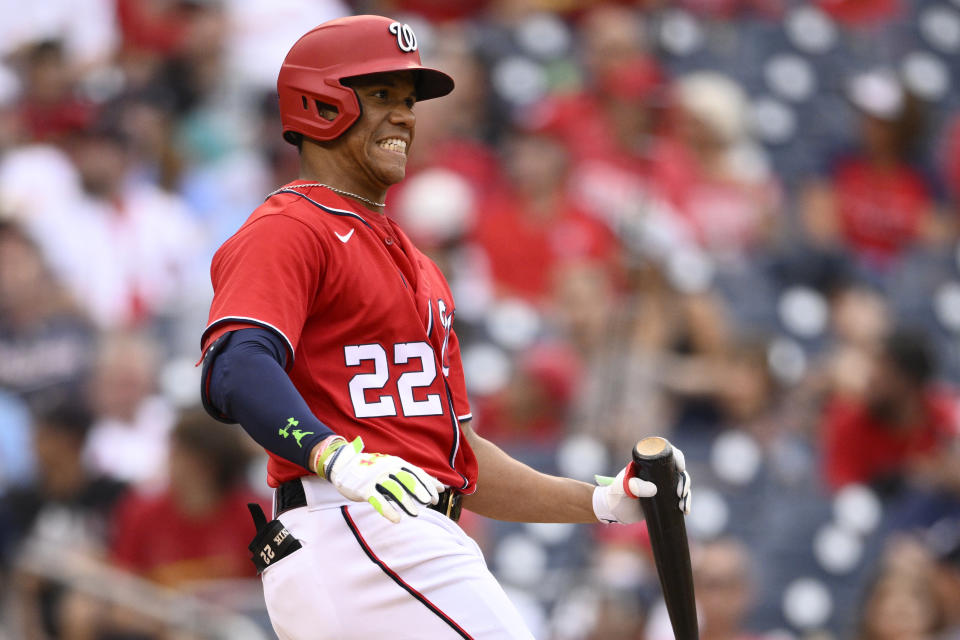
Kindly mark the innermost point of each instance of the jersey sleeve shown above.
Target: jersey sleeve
(267, 275)
(457, 381)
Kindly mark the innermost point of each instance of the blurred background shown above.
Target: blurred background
(733, 223)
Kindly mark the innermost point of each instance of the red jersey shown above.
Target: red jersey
(525, 251)
(859, 448)
(880, 211)
(368, 319)
(186, 548)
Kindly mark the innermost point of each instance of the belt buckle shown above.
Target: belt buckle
(449, 506)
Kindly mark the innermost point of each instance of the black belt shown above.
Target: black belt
(290, 495)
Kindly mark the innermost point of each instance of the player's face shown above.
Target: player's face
(378, 143)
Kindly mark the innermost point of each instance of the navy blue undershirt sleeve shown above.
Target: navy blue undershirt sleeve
(247, 383)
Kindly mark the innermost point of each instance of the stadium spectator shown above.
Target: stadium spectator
(875, 202)
(901, 602)
(124, 248)
(87, 29)
(532, 408)
(650, 356)
(530, 228)
(717, 178)
(206, 525)
(725, 587)
(860, 320)
(620, 596)
(129, 437)
(66, 512)
(902, 420)
(863, 13)
(945, 544)
(46, 346)
(50, 108)
(618, 616)
(950, 160)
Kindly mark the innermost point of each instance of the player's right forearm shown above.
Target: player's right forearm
(509, 490)
(248, 385)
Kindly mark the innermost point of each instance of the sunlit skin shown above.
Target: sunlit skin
(357, 161)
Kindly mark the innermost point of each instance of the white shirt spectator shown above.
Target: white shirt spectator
(125, 259)
(262, 31)
(134, 452)
(87, 28)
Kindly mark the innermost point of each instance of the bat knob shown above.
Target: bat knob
(652, 448)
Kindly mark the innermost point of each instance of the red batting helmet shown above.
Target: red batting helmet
(345, 48)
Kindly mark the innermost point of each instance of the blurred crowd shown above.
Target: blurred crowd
(733, 223)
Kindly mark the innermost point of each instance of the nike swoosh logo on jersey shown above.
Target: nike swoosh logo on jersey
(345, 237)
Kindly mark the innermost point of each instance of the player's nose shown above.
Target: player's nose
(403, 116)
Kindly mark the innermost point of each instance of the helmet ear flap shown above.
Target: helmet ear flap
(306, 111)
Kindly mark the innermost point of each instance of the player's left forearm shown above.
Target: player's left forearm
(509, 490)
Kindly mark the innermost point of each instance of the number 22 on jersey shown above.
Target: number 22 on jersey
(386, 405)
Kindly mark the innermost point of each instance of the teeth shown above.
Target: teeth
(393, 144)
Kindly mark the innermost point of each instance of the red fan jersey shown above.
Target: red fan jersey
(368, 319)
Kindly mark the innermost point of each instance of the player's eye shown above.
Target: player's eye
(410, 102)
(381, 94)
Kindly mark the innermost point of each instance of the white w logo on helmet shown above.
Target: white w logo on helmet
(406, 40)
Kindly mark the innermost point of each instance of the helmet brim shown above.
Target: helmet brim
(430, 83)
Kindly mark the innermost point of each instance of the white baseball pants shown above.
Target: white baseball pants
(359, 576)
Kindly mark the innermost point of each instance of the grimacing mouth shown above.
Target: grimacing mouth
(393, 143)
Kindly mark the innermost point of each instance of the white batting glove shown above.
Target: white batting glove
(386, 482)
(615, 501)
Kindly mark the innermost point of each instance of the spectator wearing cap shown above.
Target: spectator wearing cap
(875, 202)
(716, 177)
(903, 420)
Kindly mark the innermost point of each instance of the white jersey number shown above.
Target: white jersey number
(406, 383)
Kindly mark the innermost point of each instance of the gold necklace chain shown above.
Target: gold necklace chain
(334, 189)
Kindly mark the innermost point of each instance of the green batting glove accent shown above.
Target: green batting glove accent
(329, 451)
(393, 487)
(408, 481)
(376, 504)
(604, 481)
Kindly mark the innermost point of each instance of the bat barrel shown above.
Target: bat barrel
(653, 461)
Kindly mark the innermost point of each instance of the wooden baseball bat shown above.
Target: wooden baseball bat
(653, 461)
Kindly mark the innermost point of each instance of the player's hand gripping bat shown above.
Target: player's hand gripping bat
(654, 461)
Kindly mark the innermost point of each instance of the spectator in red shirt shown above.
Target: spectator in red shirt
(901, 421)
(717, 177)
(530, 228)
(862, 13)
(875, 203)
(205, 523)
(950, 158)
(50, 108)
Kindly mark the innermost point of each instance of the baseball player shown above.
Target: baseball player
(331, 342)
